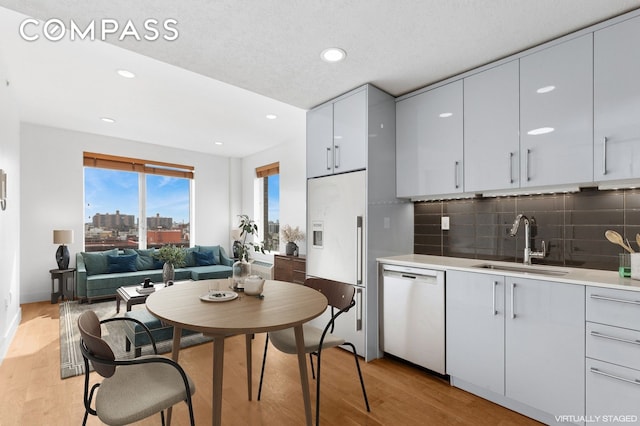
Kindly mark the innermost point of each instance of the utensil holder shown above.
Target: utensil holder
(624, 266)
(635, 266)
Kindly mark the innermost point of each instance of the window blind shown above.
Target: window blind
(268, 170)
(104, 161)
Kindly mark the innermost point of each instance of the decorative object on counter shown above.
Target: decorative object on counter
(62, 237)
(634, 266)
(291, 236)
(616, 238)
(253, 285)
(624, 268)
(242, 267)
(172, 257)
(3, 190)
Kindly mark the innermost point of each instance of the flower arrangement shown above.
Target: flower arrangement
(248, 227)
(292, 235)
(172, 255)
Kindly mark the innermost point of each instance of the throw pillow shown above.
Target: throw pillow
(189, 259)
(96, 262)
(214, 249)
(145, 259)
(204, 258)
(125, 263)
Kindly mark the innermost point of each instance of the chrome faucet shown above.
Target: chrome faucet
(528, 254)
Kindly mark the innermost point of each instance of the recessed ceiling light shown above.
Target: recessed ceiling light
(446, 115)
(126, 74)
(540, 131)
(108, 120)
(546, 89)
(218, 143)
(271, 116)
(333, 54)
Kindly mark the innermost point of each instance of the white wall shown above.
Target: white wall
(52, 193)
(10, 312)
(293, 183)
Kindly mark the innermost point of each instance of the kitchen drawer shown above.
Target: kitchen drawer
(619, 346)
(620, 308)
(613, 393)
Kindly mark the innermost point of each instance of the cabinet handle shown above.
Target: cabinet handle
(613, 299)
(511, 167)
(604, 155)
(336, 156)
(613, 376)
(617, 339)
(358, 309)
(455, 173)
(495, 311)
(527, 164)
(328, 158)
(513, 300)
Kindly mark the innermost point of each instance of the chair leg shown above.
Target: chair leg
(318, 389)
(162, 417)
(264, 360)
(313, 373)
(355, 356)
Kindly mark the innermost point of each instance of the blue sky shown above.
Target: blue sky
(109, 190)
(274, 197)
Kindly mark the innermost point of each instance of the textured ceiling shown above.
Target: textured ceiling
(272, 47)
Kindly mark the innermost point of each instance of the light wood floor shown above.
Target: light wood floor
(32, 393)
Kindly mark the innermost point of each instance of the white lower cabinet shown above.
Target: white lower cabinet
(613, 356)
(518, 342)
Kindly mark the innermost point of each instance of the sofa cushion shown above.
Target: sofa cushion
(189, 259)
(214, 249)
(124, 263)
(145, 260)
(204, 258)
(96, 262)
(211, 272)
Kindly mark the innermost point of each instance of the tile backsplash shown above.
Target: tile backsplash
(572, 226)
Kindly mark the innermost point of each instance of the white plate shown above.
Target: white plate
(219, 296)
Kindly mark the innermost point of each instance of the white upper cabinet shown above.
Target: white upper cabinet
(491, 129)
(556, 114)
(337, 136)
(429, 142)
(617, 101)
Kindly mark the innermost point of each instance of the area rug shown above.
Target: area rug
(71, 362)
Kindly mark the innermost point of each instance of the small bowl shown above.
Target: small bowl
(253, 285)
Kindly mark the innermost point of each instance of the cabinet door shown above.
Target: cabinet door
(556, 114)
(491, 129)
(475, 329)
(429, 142)
(545, 355)
(350, 133)
(617, 101)
(320, 141)
(612, 390)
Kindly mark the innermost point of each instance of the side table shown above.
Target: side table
(65, 291)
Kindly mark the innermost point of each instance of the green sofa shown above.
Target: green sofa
(100, 274)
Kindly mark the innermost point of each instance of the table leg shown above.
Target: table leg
(218, 363)
(304, 378)
(175, 351)
(118, 299)
(248, 339)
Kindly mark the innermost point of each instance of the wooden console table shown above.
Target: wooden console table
(291, 269)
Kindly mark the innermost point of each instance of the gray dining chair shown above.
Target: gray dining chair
(340, 299)
(132, 389)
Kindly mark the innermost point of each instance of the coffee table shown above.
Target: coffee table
(129, 294)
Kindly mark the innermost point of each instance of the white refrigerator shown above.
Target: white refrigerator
(336, 244)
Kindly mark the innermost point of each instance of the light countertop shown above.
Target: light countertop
(580, 276)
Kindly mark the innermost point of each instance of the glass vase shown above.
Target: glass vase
(168, 272)
(241, 270)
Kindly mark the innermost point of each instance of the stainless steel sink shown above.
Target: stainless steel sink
(522, 269)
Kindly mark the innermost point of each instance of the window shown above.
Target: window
(268, 205)
(120, 190)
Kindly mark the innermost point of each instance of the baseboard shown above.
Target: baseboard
(10, 334)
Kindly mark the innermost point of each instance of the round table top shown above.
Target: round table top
(284, 305)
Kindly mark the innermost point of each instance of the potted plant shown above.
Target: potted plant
(242, 268)
(172, 257)
(291, 236)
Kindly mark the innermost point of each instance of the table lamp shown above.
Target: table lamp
(62, 237)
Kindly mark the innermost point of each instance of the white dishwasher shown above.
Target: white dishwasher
(413, 324)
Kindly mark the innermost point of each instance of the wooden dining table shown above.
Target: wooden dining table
(282, 305)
